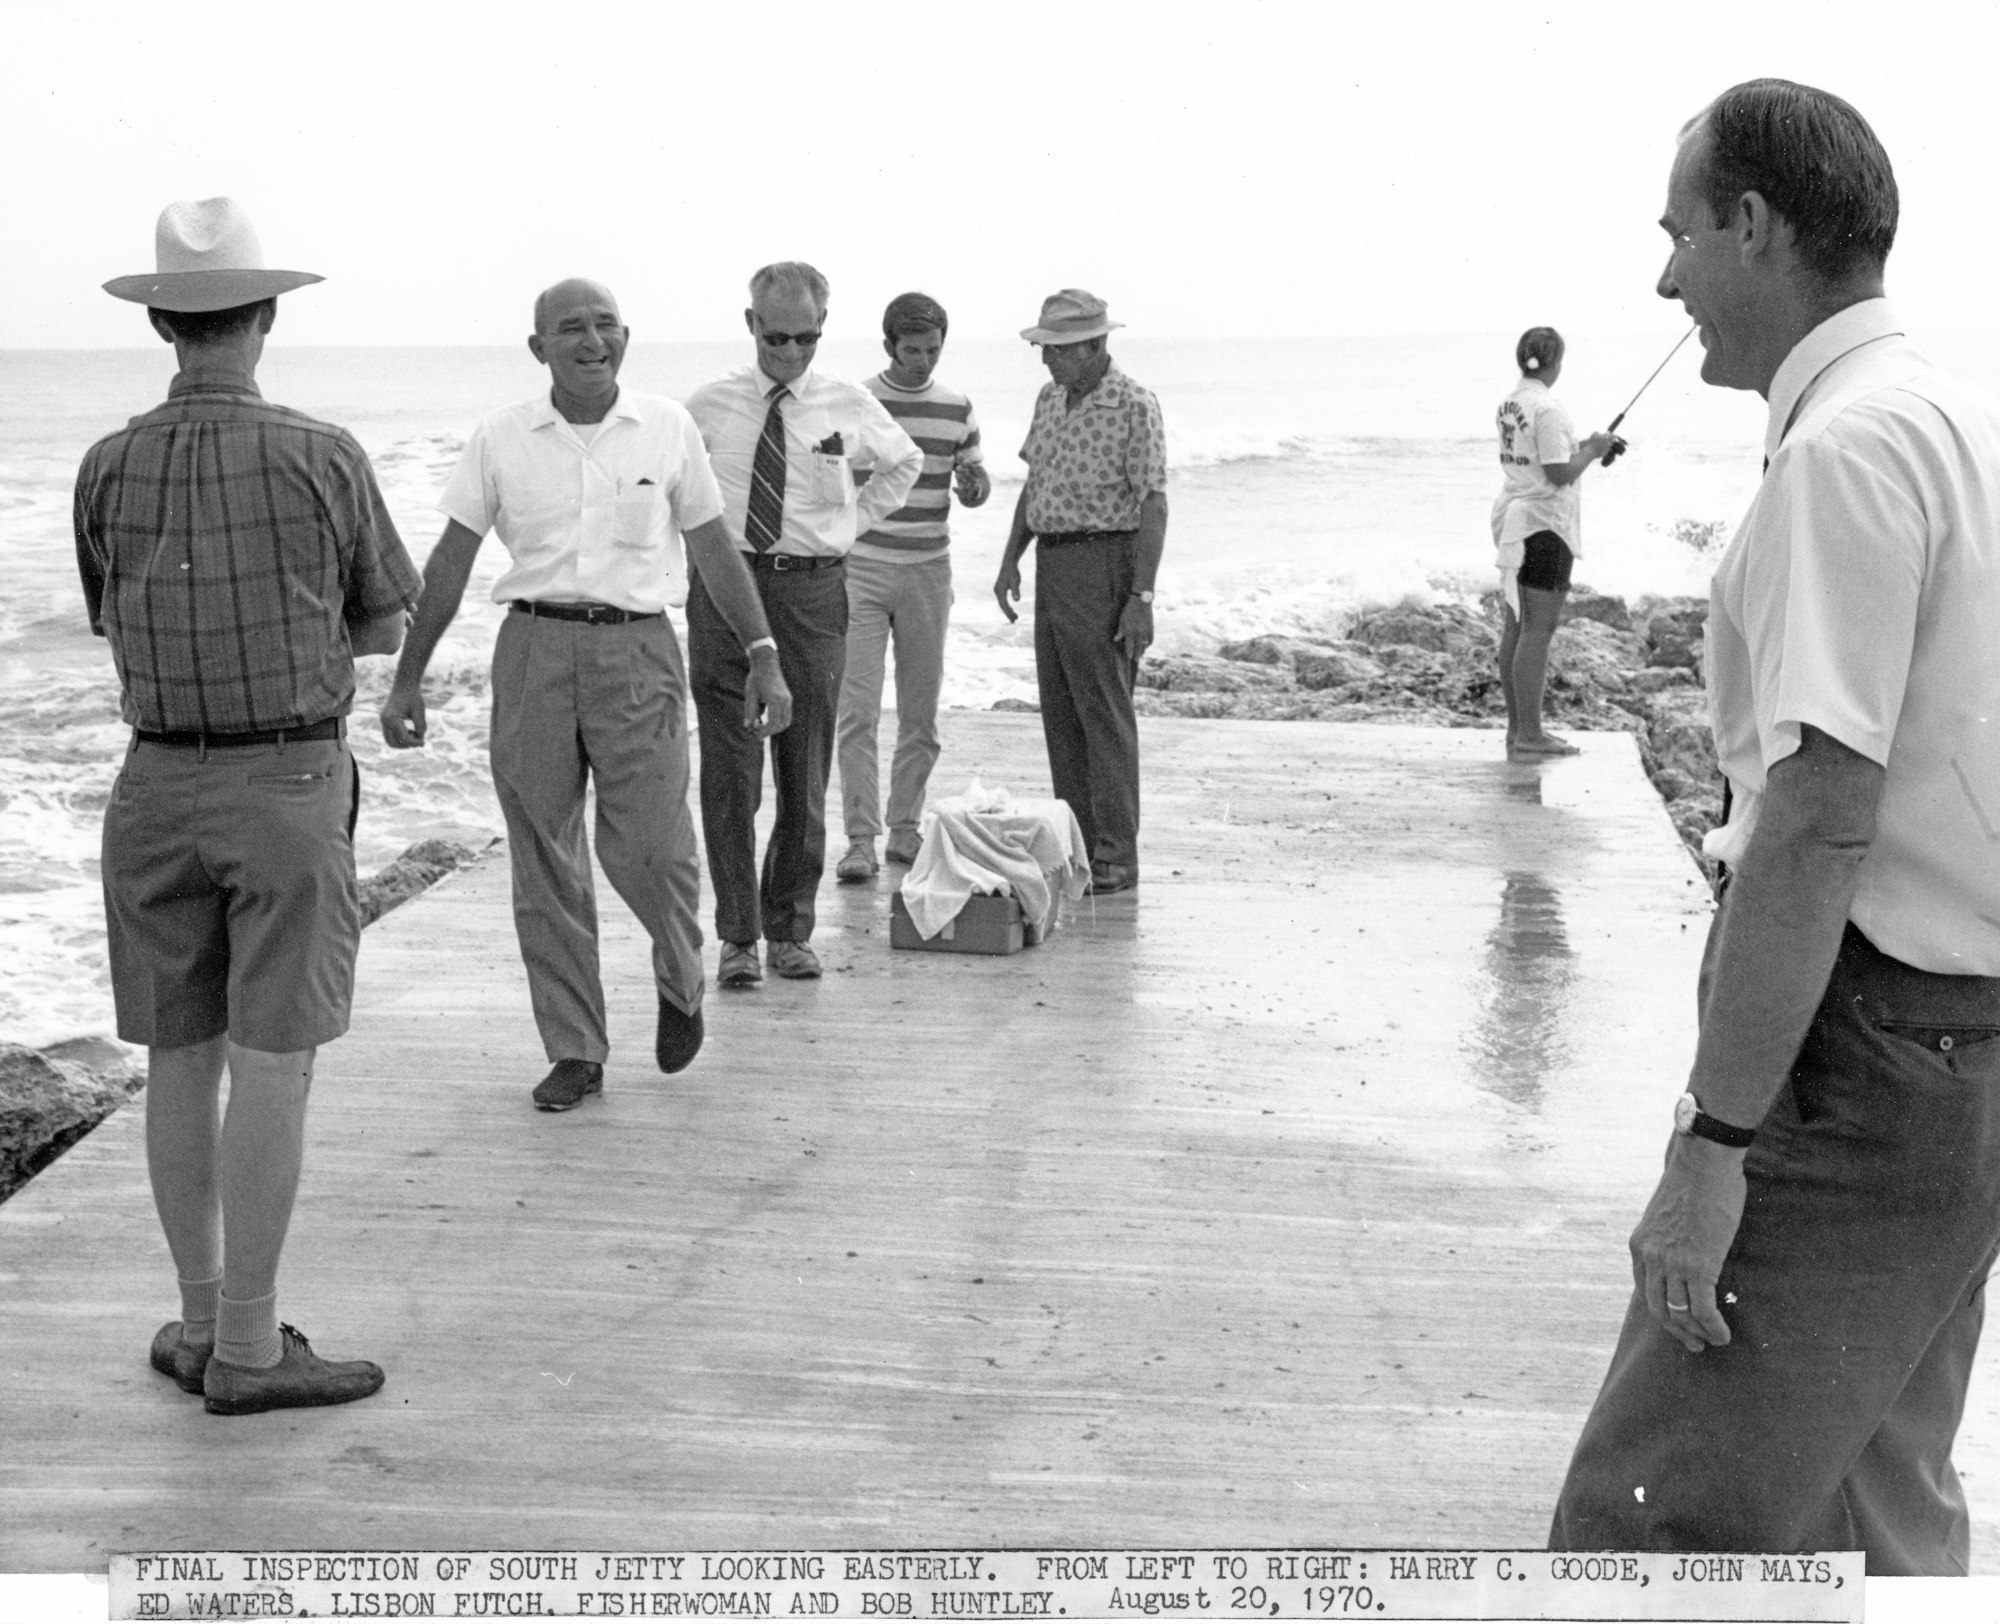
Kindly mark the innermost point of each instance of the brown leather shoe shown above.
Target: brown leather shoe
(793, 960)
(183, 1361)
(738, 966)
(299, 1380)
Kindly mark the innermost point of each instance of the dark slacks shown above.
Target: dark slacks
(807, 610)
(1854, 1294)
(1085, 681)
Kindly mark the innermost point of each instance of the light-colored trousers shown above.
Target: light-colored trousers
(911, 605)
(572, 700)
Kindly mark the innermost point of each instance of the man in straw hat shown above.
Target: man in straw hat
(237, 556)
(1096, 499)
(1811, 1272)
(593, 489)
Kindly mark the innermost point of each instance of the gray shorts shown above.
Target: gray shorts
(229, 894)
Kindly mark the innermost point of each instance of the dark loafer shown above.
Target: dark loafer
(677, 1039)
(299, 1380)
(178, 1359)
(1107, 878)
(569, 1084)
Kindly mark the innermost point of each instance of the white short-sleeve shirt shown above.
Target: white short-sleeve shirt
(1534, 429)
(596, 522)
(1861, 595)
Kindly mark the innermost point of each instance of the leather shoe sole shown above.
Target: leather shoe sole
(568, 1084)
(175, 1358)
(299, 1380)
(677, 1039)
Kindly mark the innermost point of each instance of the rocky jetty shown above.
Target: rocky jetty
(50, 1098)
(1635, 668)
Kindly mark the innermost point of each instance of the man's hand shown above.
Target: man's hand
(1007, 586)
(1135, 628)
(973, 483)
(767, 702)
(403, 719)
(1678, 1248)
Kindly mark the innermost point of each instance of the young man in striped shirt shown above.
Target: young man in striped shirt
(899, 586)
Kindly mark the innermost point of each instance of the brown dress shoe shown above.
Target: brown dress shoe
(300, 1379)
(183, 1361)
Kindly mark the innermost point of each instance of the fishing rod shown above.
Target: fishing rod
(1618, 445)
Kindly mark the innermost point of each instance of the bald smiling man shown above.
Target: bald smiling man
(593, 490)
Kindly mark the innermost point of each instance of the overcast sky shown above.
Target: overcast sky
(1259, 168)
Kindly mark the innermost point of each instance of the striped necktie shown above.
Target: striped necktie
(765, 515)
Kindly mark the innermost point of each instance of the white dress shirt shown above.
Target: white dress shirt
(823, 511)
(598, 522)
(1861, 595)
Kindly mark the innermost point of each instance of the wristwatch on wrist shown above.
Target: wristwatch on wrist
(1144, 597)
(1691, 1119)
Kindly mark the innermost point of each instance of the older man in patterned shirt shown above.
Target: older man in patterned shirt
(1096, 499)
(237, 556)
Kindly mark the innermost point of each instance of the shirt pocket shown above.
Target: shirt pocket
(830, 481)
(639, 519)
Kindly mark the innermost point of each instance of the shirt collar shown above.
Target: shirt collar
(1105, 392)
(213, 378)
(1840, 334)
(545, 413)
(765, 383)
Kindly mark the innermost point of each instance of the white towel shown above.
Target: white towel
(988, 843)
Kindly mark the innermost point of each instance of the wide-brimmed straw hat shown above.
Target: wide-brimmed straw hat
(208, 258)
(1069, 317)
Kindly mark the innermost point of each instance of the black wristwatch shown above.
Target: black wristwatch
(1691, 1119)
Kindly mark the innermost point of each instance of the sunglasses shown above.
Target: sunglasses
(778, 341)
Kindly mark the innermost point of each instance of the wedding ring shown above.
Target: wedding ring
(1677, 1308)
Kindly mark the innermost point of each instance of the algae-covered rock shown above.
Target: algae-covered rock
(50, 1099)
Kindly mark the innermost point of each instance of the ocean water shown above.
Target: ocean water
(1310, 479)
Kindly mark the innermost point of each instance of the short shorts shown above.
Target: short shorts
(1547, 563)
(229, 894)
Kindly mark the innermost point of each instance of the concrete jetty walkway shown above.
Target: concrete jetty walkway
(1281, 1202)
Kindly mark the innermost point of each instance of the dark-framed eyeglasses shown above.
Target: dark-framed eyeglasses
(778, 341)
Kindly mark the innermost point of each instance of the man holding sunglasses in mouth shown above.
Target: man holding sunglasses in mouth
(784, 441)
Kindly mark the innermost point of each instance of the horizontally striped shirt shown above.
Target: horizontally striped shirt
(940, 420)
(225, 546)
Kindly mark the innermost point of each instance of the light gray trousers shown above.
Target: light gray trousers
(608, 705)
(911, 605)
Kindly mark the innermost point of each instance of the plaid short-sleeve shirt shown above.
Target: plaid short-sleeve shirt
(1090, 468)
(225, 546)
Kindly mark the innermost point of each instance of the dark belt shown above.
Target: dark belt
(591, 614)
(1069, 538)
(783, 563)
(334, 727)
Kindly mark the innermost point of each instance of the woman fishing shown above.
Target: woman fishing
(1537, 531)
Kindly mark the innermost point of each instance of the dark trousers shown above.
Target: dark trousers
(807, 610)
(1085, 680)
(1854, 1294)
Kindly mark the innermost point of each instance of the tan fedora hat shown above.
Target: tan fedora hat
(1069, 317)
(209, 259)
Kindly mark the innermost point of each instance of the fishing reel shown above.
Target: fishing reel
(1618, 448)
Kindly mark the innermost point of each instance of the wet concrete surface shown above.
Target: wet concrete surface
(1282, 1201)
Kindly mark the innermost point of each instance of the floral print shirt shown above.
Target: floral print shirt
(1089, 468)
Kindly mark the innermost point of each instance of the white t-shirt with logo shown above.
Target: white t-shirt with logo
(1534, 429)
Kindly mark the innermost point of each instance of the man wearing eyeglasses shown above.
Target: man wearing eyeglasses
(784, 441)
